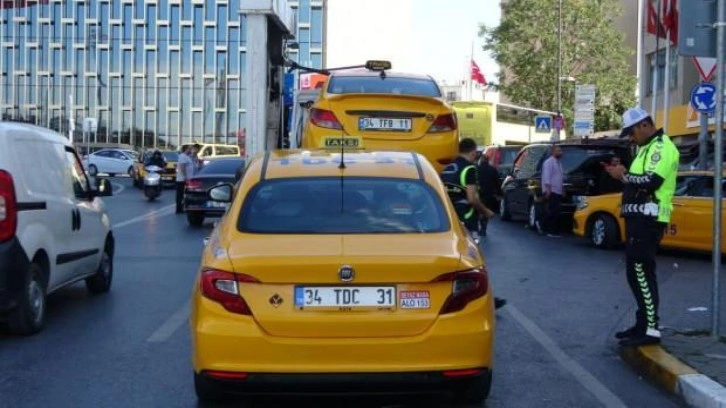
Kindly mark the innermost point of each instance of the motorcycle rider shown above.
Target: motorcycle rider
(156, 159)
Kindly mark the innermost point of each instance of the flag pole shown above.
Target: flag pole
(667, 79)
(654, 101)
(639, 92)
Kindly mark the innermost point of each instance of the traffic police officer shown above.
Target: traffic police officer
(646, 206)
(462, 186)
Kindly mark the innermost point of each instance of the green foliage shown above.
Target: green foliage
(593, 52)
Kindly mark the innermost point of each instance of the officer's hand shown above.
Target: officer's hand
(616, 172)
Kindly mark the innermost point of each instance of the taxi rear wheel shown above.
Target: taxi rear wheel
(474, 391)
(195, 220)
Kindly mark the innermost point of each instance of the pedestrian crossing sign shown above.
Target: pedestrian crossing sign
(543, 124)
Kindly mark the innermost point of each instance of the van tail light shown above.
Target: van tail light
(466, 287)
(444, 123)
(195, 185)
(8, 207)
(324, 118)
(223, 288)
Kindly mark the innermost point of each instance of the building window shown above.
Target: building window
(673, 66)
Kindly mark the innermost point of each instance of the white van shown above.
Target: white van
(209, 151)
(54, 230)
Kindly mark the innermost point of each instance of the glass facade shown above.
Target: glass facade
(153, 73)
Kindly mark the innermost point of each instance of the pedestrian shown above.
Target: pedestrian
(490, 189)
(184, 170)
(648, 189)
(552, 191)
(462, 186)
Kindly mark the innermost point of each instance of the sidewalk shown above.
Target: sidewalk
(688, 362)
(692, 366)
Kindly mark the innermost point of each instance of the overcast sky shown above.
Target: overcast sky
(424, 36)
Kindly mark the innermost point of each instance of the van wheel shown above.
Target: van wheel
(504, 213)
(603, 231)
(195, 220)
(93, 170)
(100, 282)
(29, 316)
(473, 392)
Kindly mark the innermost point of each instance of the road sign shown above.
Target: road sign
(706, 67)
(543, 124)
(696, 36)
(703, 98)
(559, 123)
(584, 124)
(90, 124)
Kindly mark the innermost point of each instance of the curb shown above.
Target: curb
(675, 377)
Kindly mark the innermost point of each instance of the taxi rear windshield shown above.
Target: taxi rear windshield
(351, 205)
(387, 85)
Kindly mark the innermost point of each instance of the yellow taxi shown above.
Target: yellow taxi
(374, 109)
(354, 278)
(169, 174)
(598, 218)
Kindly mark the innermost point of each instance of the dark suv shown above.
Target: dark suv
(582, 164)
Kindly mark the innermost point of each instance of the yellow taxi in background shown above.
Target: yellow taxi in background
(374, 109)
(168, 176)
(354, 279)
(598, 218)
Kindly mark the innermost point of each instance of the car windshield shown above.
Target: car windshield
(576, 159)
(350, 205)
(168, 156)
(387, 85)
(222, 167)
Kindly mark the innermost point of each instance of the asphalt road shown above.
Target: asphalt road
(131, 348)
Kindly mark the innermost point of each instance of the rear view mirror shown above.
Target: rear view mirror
(221, 193)
(104, 187)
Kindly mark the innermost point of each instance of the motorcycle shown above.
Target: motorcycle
(152, 182)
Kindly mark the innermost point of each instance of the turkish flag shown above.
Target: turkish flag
(655, 26)
(670, 19)
(476, 74)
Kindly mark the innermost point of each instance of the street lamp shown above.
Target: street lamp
(559, 65)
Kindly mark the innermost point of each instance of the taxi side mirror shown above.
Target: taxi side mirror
(222, 193)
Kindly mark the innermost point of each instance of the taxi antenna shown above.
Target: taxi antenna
(342, 151)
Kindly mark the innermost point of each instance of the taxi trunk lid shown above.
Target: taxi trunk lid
(310, 268)
(387, 116)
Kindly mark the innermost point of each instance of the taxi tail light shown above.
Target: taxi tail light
(444, 123)
(195, 185)
(462, 373)
(466, 287)
(8, 207)
(324, 118)
(226, 375)
(223, 288)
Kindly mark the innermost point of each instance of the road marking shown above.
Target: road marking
(151, 214)
(120, 188)
(171, 325)
(583, 376)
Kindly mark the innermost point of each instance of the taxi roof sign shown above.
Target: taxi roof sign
(376, 65)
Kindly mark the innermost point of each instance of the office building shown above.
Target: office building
(151, 72)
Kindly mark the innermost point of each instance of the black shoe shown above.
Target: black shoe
(639, 340)
(498, 302)
(633, 331)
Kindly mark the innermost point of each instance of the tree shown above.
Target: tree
(593, 52)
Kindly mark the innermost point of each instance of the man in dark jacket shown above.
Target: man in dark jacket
(490, 191)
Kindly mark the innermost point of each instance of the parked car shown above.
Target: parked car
(598, 218)
(54, 228)
(197, 204)
(111, 162)
(581, 163)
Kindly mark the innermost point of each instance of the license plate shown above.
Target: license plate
(348, 142)
(345, 296)
(215, 204)
(394, 124)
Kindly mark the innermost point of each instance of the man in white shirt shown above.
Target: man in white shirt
(184, 170)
